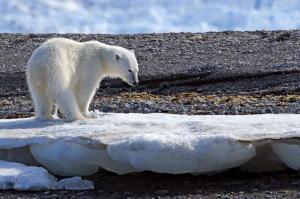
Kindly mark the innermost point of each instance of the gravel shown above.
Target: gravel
(233, 184)
(190, 103)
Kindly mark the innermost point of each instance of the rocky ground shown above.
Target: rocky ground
(232, 184)
(189, 103)
(183, 73)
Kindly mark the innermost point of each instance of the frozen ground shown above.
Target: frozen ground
(133, 16)
(162, 143)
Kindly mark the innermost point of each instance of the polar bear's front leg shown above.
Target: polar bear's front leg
(84, 98)
(68, 105)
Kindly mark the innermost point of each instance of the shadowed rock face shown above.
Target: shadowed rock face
(205, 62)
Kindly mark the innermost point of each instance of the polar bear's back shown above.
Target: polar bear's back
(53, 49)
(53, 63)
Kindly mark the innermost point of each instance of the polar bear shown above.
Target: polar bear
(67, 73)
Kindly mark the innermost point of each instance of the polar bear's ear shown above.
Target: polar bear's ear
(117, 56)
(131, 50)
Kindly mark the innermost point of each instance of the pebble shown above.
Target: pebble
(162, 192)
(54, 195)
(4, 103)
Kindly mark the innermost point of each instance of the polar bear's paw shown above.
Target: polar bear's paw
(89, 116)
(44, 118)
(74, 118)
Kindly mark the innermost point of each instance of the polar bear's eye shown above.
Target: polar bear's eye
(129, 70)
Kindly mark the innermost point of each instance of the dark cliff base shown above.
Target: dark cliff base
(182, 73)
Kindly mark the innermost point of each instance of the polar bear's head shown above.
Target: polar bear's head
(124, 65)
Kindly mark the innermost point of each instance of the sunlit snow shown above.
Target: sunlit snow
(164, 143)
(21, 177)
(134, 16)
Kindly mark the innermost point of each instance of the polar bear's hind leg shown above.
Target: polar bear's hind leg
(42, 102)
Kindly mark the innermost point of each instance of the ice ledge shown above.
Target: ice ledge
(163, 143)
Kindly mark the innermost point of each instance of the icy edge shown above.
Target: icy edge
(21, 177)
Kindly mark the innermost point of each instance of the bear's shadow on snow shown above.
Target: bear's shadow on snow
(30, 123)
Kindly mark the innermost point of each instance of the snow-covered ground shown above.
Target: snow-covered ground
(136, 16)
(163, 143)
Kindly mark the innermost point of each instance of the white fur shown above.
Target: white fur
(67, 73)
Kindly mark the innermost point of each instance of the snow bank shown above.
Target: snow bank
(21, 177)
(164, 143)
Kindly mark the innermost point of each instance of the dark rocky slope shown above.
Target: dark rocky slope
(222, 62)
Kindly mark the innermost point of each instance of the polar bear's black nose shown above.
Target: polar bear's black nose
(135, 83)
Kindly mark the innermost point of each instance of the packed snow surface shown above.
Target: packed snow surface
(163, 143)
(135, 16)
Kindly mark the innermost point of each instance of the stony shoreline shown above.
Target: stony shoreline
(189, 103)
(181, 73)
